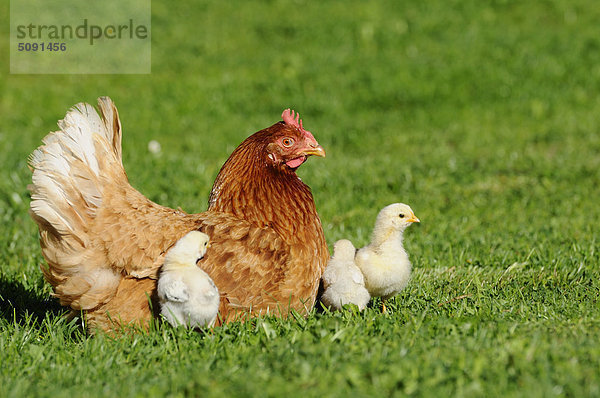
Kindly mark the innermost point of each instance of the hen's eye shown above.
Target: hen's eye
(287, 142)
(401, 215)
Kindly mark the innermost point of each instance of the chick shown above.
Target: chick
(187, 294)
(384, 263)
(342, 280)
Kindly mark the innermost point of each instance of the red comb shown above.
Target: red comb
(293, 119)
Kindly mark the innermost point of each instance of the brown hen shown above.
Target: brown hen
(104, 242)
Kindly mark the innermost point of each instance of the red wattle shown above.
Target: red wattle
(294, 163)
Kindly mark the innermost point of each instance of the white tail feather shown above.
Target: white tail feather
(65, 195)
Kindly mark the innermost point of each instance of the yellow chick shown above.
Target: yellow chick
(384, 263)
(342, 280)
(187, 295)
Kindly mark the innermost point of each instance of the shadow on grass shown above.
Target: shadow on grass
(17, 304)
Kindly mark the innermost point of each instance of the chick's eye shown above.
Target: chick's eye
(287, 142)
(401, 215)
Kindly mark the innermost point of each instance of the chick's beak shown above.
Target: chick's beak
(413, 218)
(314, 149)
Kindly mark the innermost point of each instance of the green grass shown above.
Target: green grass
(484, 116)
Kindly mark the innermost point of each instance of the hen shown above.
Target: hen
(104, 242)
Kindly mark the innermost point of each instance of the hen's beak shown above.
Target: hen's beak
(316, 150)
(413, 218)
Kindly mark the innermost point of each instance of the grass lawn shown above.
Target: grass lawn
(484, 116)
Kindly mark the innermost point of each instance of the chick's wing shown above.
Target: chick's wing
(176, 291)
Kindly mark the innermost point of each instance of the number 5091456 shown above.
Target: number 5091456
(42, 46)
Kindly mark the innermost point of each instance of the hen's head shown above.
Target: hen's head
(287, 143)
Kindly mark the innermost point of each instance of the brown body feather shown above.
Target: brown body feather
(104, 242)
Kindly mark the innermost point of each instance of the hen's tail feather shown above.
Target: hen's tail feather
(69, 175)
